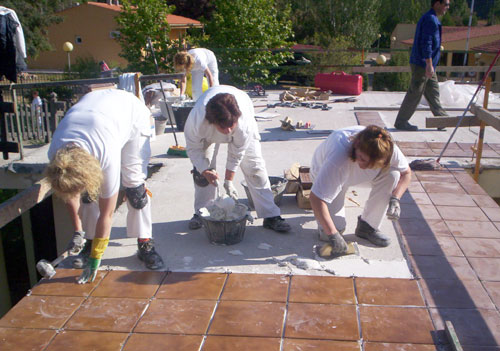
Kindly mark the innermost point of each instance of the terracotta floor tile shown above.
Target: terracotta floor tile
(473, 229)
(419, 211)
(447, 199)
(416, 187)
(473, 189)
(319, 321)
(426, 227)
(484, 201)
(25, 339)
(473, 327)
(176, 317)
(372, 346)
(248, 318)
(451, 213)
(440, 145)
(392, 324)
(319, 345)
(497, 224)
(486, 268)
(441, 267)
(480, 247)
(413, 144)
(233, 343)
(43, 312)
(384, 291)
(434, 246)
(463, 177)
(440, 187)
(316, 289)
(64, 284)
(87, 340)
(493, 213)
(157, 342)
(410, 152)
(435, 176)
(107, 314)
(415, 198)
(493, 288)
(256, 287)
(193, 286)
(466, 147)
(444, 293)
(129, 284)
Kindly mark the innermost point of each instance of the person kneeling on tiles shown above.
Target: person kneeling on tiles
(353, 156)
(103, 137)
(224, 114)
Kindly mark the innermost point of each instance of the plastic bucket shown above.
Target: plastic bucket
(278, 186)
(181, 114)
(160, 125)
(225, 232)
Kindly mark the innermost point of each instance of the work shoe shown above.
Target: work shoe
(405, 126)
(147, 253)
(83, 256)
(365, 231)
(277, 224)
(195, 222)
(325, 237)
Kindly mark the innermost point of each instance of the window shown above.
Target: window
(78, 39)
(114, 34)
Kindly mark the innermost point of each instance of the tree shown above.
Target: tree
(494, 17)
(195, 9)
(140, 20)
(244, 35)
(35, 16)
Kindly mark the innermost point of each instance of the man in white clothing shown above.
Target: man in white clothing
(349, 157)
(224, 114)
(102, 139)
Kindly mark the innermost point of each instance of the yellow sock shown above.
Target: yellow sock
(99, 245)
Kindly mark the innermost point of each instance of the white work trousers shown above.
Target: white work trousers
(376, 205)
(135, 157)
(255, 173)
(197, 80)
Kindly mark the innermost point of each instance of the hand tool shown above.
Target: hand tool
(46, 268)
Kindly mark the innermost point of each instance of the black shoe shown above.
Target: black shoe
(83, 256)
(147, 253)
(405, 126)
(277, 224)
(366, 231)
(195, 222)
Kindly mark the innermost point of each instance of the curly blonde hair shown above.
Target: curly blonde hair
(377, 144)
(183, 61)
(74, 171)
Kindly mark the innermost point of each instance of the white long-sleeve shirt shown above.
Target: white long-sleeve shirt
(203, 58)
(200, 134)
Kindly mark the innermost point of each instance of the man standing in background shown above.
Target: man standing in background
(424, 58)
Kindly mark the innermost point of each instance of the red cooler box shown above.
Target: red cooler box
(339, 83)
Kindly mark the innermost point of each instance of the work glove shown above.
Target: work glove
(230, 189)
(76, 243)
(90, 270)
(394, 210)
(183, 97)
(335, 247)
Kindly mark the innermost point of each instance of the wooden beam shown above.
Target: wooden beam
(486, 116)
(452, 337)
(438, 122)
(24, 201)
(398, 69)
(396, 108)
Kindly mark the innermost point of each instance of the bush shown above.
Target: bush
(399, 81)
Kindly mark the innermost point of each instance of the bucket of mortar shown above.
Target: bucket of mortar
(181, 113)
(226, 232)
(278, 185)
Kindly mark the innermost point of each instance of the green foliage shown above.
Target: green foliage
(494, 16)
(139, 20)
(243, 34)
(84, 68)
(35, 16)
(195, 9)
(337, 55)
(393, 81)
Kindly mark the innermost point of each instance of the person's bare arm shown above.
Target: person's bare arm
(210, 77)
(182, 85)
(104, 222)
(73, 206)
(322, 215)
(404, 182)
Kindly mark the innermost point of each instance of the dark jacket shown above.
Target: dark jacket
(8, 66)
(427, 41)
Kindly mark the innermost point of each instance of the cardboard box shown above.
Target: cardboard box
(305, 178)
(302, 198)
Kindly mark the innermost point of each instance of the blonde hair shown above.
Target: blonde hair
(376, 143)
(183, 61)
(73, 171)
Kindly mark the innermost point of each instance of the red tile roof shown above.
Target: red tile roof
(493, 47)
(460, 33)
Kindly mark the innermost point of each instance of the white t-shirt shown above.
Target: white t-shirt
(332, 168)
(37, 102)
(203, 58)
(200, 134)
(101, 123)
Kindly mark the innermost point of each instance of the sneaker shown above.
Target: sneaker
(83, 256)
(365, 231)
(326, 238)
(147, 253)
(195, 222)
(405, 126)
(277, 224)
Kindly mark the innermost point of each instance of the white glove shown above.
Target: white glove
(394, 210)
(230, 189)
(183, 97)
